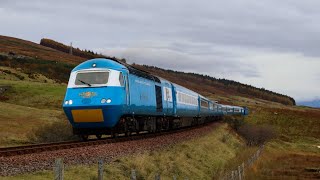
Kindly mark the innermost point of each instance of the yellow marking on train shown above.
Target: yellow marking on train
(87, 115)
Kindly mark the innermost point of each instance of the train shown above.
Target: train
(109, 97)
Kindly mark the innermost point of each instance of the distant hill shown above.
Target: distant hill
(15, 47)
(207, 85)
(88, 54)
(314, 103)
(54, 61)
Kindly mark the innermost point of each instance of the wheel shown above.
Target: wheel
(127, 133)
(114, 134)
(99, 136)
(84, 137)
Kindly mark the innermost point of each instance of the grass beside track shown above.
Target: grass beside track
(28, 106)
(201, 158)
(17, 122)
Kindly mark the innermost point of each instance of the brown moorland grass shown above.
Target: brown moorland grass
(289, 122)
(207, 85)
(275, 164)
(295, 150)
(31, 49)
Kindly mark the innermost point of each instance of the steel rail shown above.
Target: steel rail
(44, 147)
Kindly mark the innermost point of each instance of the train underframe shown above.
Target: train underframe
(128, 125)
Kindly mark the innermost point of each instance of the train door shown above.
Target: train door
(124, 81)
(126, 84)
(168, 100)
(174, 100)
(158, 98)
(199, 106)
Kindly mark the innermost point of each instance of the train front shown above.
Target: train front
(95, 97)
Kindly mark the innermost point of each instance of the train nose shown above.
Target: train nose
(94, 107)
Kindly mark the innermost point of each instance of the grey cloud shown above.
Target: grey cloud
(170, 58)
(281, 26)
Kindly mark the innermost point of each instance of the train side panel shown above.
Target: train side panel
(167, 98)
(143, 100)
(204, 106)
(187, 104)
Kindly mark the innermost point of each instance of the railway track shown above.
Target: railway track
(37, 148)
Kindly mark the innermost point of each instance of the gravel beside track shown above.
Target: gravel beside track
(18, 164)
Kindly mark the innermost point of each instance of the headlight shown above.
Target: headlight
(103, 101)
(70, 102)
(108, 101)
(67, 102)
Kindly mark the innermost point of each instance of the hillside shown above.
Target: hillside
(34, 102)
(16, 47)
(37, 87)
(54, 61)
(87, 54)
(207, 85)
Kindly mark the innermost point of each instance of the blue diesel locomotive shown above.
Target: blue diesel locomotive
(105, 96)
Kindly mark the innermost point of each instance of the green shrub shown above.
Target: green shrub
(7, 71)
(19, 76)
(256, 134)
(53, 132)
(3, 56)
(234, 121)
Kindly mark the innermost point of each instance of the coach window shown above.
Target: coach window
(204, 104)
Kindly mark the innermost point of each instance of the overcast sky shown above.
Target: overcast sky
(271, 44)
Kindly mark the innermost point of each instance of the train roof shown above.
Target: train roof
(117, 65)
(184, 89)
(99, 63)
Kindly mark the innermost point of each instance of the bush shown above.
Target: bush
(3, 56)
(256, 135)
(234, 121)
(53, 132)
(6, 71)
(253, 134)
(19, 76)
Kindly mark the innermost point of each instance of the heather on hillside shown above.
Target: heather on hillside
(213, 85)
(19, 47)
(75, 51)
(59, 69)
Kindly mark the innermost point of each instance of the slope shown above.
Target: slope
(15, 46)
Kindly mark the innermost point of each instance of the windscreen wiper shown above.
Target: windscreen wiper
(84, 82)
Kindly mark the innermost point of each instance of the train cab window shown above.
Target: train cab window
(121, 80)
(89, 78)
